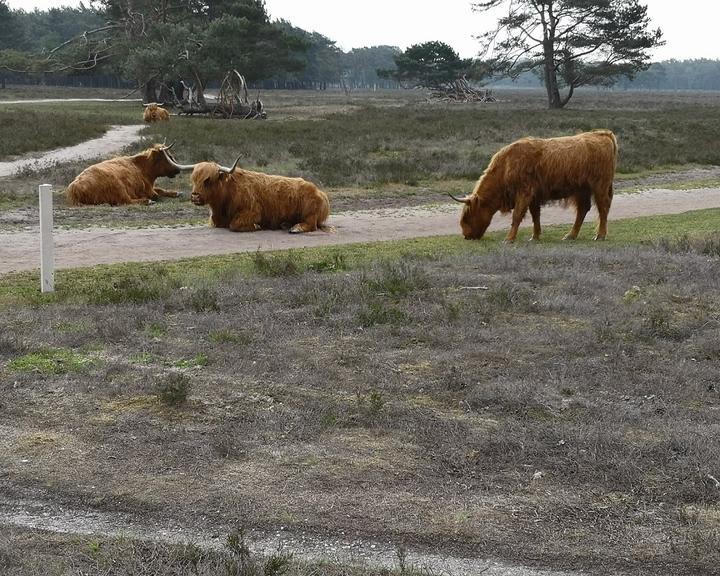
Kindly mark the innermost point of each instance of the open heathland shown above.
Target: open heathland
(367, 150)
(446, 395)
(552, 405)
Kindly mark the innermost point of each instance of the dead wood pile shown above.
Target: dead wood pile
(232, 100)
(460, 90)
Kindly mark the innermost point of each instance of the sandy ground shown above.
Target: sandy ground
(50, 517)
(88, 247)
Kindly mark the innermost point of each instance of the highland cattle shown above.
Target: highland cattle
(531, 172)
(244, 201)
(125, 180)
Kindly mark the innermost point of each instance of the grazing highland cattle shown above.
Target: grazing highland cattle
(154, 113)
(531, 172)
(125, 180)
(244, 201)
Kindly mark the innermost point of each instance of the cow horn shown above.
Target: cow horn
(465, 200)
(181, 167)
(230, 170)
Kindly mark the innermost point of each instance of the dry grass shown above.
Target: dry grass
(570, 406)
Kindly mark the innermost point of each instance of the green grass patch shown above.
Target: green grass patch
(53, 361)
(197, 361)
(227, 336)
(143, 358)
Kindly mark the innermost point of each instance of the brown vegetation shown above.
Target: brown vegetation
(568, 407)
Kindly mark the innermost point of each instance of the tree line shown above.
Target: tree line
(153, 44)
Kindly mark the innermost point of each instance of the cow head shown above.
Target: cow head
(209, 179)
(151, 112)
(475, 217)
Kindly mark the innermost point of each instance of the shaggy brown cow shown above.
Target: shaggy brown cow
(244, 201)
(124, 180)
(154, 113)
(533, 171)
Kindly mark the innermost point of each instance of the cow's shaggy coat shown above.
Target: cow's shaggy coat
(154, 113)
(534, 171)
(124, 180)
(244, 201)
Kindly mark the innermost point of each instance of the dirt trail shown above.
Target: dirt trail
(113, 141)
(88, 247)
(53, 100)
(42, 515)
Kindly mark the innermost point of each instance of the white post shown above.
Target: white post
(47, 248)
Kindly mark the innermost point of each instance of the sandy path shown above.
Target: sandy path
(53, 100)
(47, 516)
(113, 141)
(88, 247)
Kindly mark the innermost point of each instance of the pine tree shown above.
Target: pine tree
(570, 43)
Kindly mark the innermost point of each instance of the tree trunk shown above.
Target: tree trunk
(149, 91)
(165, 96)
(551, 84)
(200, 88)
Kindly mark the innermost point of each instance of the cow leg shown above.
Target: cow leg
(535, 213)
(308, 225)
(521, 206)
(582, 207)
(603, 206)
(125, 198)
(167, 193)
(244, 222)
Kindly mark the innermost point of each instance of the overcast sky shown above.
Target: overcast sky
(689, 27)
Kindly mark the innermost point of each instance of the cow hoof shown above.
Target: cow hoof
(151, 202)
(599, 238)
(297, 229)
(179, 194)
(569, 237)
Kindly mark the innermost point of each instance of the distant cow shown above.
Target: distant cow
(533, 171)
(244, 201)
(154, 113)
(124, 180)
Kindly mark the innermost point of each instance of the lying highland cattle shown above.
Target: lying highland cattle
(154, 113)
(125, 180)
(531, 172)
(244, 201)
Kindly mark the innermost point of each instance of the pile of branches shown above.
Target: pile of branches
(460, 90)
(231, 102)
